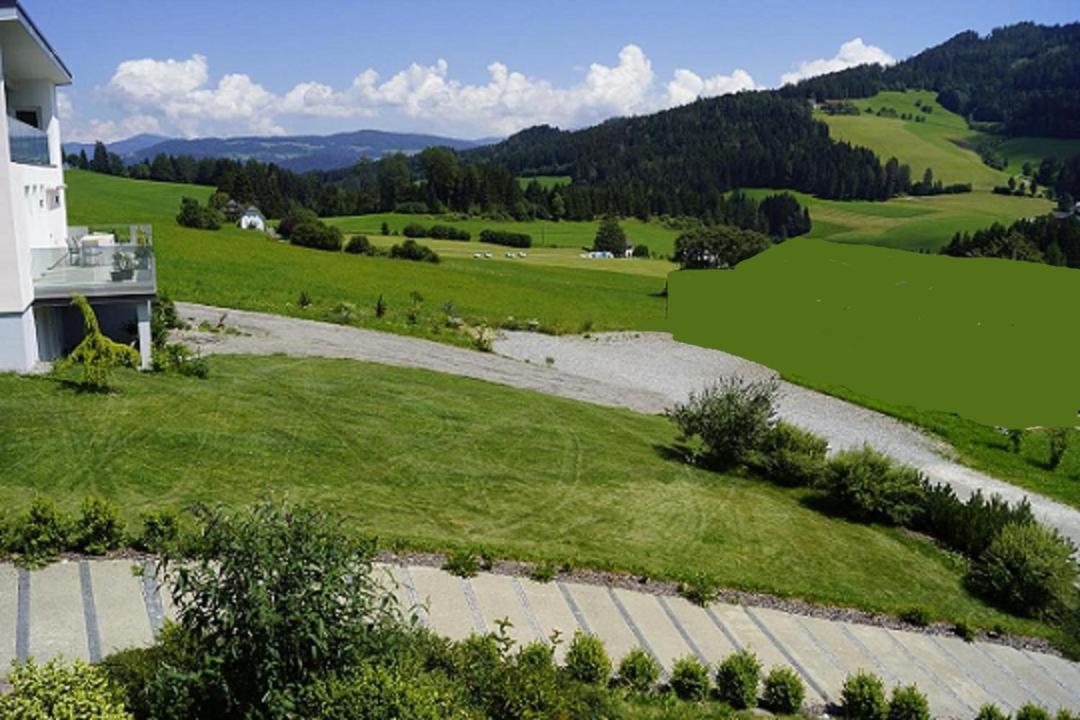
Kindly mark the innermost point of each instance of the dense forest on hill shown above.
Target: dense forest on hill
(1024, 78)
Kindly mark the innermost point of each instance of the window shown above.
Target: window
(30, 116)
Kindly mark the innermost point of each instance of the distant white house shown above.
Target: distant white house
(252, 219)
(1062, 214)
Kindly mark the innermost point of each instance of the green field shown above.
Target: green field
(1033, 150)
(427, 460)
(545, 233)
(243, 269)
(983, 338)
(546, 181)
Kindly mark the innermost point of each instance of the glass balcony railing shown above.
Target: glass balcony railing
(94, 264)
(29, 145)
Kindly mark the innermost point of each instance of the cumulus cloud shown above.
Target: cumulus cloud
(76, 129)
(852, 53)
(181, 96)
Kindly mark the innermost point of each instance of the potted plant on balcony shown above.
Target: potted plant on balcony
(123, 266)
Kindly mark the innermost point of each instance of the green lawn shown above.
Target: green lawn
(983, 338)
(1033, 150)
(431, 461)
(244, 269)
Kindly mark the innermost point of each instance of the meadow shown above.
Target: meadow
(246, 270)
(432, 461)
(982, 338)
(1033, 150)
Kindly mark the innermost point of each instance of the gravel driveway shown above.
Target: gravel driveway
(645, 372)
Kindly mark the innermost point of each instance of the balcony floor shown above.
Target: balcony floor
(62, 282)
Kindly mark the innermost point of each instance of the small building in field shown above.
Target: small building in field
(252, 219)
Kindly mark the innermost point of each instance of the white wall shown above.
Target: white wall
(18, 341)
(16, 289)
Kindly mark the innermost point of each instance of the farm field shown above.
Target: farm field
(980, 338)
(431, 461)
(570, 234)
(243, 269)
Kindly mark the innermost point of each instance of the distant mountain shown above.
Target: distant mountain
(122, 148)
(1024, 78)
(300, 153)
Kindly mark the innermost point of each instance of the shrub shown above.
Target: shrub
(610, 237)
(463, 563)
(317, 235)
(732, 419)
(737, 679)
(380, 306)
(917, 616)
(641, 251)
(359, 245)
(414, 230)
(701, 589)
(990, 711)
(298, 216)
(784, 691)
(543, 572)
(638, 671)
(179, 358)
(689, 679)
(101, 528)
(970, 527)
(411, 208)
(863, 697)
(791, 456)
(869, 486)
(160, 530)
(963, 630)
(343, 313)
(1058, 443)
(1031, 711)
(96, 354)
(41, 533)
(303, 299)
(54, 690)
(448, 232)
(908, 703)
(587, 661)
(380, 693)
(193, 215)
(1028, 568)
(412, 250)
(510, 239)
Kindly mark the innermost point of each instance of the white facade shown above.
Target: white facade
(252, 219)
(36, 278)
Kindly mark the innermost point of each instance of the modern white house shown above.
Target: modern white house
(43, 262)
(252, 219)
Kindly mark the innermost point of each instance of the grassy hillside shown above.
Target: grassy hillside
(1033, 150)
(243, 269)
(982, 338)
(435, 461)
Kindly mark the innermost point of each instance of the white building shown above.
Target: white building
(43, 262)
(252, 219)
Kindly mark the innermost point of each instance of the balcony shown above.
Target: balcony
(96, 265)
(29, 145)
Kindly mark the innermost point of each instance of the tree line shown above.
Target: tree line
(1022, 78)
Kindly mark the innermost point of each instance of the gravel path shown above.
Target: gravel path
(645, 372)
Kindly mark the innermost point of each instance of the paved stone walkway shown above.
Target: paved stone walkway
(88, 609)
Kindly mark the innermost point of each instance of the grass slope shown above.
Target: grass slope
(983, 338)
(1020, 150)
(243, 269)
(435, 461)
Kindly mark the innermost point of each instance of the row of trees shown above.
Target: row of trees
(1044, 239)
(1022, 76)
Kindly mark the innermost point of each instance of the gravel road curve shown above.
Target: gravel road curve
(645, 372)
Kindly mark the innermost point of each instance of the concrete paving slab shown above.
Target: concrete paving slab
(848, 653)
(548, 606)
(749, 635)
(966, 691)
(1045, 688)
(498, 600)
(9, 611)
(604, 619)
(450, 614)
(659, 634)
(121, 613)
(816, 667)
(57, 624)
(1001, 687)
(708, 638)
(1067, 674)
(409, 601)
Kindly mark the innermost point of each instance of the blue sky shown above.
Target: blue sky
(469, 69)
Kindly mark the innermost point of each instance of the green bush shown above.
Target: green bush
(791, 456)
(463, 563)
(1057, 445)
(908, 703)
(359, 245)
(412, 250)
(179, 358)
(343, 313)
(638, 671)
(963, 630)
(868, 486)
(863, 697)
(916, 616)
(448, 232)
(414, 230)
(587, 661)
(990, 711)
(412, 207)
(380, 693)
(1031, 711)
(160, 530)
(1027, 569)
(689, 679)
(969, 527)
(101, 528)
(640, 251)
(316, 234)
(193, 215)
(96, 354)
(41, 533)
(543, 572)
(510, 239)
(732, 419)
(701, 589)
(54, 690)
(737, 679)
(784, 691)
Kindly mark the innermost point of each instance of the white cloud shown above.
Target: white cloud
(852, 53)
(73, 128)
(181, 97)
